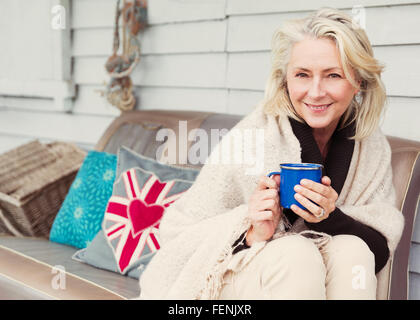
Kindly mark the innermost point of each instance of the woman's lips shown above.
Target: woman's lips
(318, 108)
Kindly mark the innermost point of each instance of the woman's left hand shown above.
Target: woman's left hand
(322, 194)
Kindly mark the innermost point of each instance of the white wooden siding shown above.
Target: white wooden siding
(254, 32)
(205, 70)
(210, 55)
(35, 54)
(32, 66)
(92, 14)
(158, 39)
(101, 13)
(168, 11)
(235, 7)
(81, 128)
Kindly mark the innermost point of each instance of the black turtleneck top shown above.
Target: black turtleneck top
(336, 166)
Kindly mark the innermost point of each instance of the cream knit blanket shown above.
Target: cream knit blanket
(197, 232)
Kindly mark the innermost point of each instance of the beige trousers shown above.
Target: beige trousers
(292, 267)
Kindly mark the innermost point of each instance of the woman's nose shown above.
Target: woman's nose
(316, 89)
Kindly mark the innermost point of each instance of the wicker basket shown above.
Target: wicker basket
(34, 180)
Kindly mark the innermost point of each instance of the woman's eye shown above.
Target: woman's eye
(304, 75)
(334, 75)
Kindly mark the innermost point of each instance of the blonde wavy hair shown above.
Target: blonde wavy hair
(355, 52)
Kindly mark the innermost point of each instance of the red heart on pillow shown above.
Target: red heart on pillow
(143, 216)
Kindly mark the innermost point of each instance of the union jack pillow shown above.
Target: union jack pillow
(144, 188)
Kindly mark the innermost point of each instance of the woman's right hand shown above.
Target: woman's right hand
(264, 210)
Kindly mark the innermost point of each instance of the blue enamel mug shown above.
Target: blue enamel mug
(290, 175)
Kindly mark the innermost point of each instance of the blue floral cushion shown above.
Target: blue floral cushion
(82, 211)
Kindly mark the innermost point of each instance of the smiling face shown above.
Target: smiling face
(318, 88)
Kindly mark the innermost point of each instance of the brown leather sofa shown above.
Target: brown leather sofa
(29, 267)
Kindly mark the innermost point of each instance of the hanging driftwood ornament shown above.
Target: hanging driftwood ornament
(119, 90)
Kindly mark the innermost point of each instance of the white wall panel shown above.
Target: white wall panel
(393, 25)
(93, 13)
(23, 49)
(199, 70)
(402, 118)
(265, 6)
(248, 70)
(101, 13)
(165, 11)
(89, 43)
(189, 70)
(39, 104)
(90, 70)
(208, 36)
(402, 69)
(90, 100)
(58, 126)
(254, 32)
(243, 101)
(211, 100)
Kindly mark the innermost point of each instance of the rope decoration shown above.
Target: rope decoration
(119, 91)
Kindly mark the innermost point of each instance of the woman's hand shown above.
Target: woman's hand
(322, 194)
(264, 210)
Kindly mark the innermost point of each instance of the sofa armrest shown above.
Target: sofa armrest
(406, 179)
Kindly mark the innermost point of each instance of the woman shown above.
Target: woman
(229, 238)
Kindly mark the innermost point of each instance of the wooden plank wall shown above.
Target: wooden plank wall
(212, 55)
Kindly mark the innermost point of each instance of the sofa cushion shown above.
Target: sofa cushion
(130, 230)
(39, 261)
(82, 211)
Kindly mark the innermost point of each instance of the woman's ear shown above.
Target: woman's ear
(359, 83)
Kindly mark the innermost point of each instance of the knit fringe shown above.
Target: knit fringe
(286, 223)
(214, 279)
